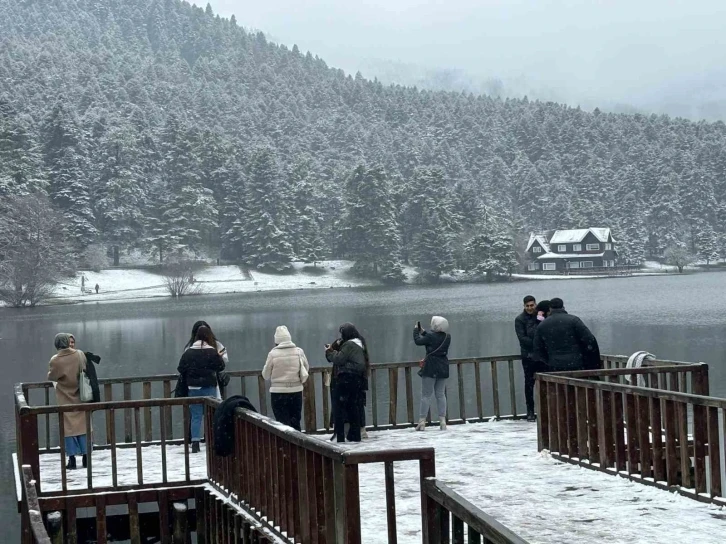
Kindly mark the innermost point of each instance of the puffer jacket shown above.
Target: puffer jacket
(200, 366)
(350, 359)
(282, 368)
(436, 362)
(563, 342)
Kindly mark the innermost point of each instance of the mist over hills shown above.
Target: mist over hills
(160, 125)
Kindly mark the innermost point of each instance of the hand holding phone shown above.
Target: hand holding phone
(327, 347)
(418, 325)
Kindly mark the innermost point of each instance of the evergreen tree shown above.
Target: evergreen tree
(21, 164)
(266, 245)
(305, 223)
(370, 232)
(433, 246)
(490, 251)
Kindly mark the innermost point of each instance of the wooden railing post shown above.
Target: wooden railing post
(429, 508)
(29, 453)
(700, 380)
(540, 395)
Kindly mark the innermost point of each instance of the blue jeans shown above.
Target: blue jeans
(197, 410)
(75, 445)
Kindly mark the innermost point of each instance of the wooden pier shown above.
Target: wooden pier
(287, 486)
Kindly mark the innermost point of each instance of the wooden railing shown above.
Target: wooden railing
(655, 434)
(300, 487)
(449, 517)
(139, 411)
(33, 528)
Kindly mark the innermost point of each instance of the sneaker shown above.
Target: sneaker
(421, 425)
(84, 461)
(363, 432)
(442, 424)
(71, 463)
(531, 417)
(195, 447)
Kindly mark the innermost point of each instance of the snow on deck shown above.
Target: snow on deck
(50, 468)
(497, 467)
(494, 465)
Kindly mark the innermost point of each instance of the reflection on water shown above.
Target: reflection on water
(675, 317)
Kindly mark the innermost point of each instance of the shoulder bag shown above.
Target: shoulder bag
(85, 391)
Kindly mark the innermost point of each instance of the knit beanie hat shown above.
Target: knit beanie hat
(282, 335)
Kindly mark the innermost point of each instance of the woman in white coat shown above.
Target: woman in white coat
(287, 369)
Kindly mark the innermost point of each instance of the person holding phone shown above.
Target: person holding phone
(434, 368)
(349, 356)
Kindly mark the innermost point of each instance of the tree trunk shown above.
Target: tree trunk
(161, 253)
(115, 256)
(680, 269)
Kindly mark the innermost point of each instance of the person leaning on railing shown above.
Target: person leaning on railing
(434, 368)
(64, 370)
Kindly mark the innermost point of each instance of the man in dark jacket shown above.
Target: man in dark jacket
(562, 341)
(525, 325)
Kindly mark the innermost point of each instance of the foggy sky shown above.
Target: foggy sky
(630, 51)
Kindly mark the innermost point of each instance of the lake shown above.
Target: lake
(674, 317)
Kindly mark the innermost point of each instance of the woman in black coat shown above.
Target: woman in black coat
(349, 356)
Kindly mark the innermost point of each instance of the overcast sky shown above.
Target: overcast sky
(623, 50)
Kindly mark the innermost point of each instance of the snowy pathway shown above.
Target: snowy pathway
(496, 466)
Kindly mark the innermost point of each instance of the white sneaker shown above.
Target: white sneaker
(363, 433)
(442, 424)
(421, 425)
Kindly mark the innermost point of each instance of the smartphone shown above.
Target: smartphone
(327, 346)
(418, 325)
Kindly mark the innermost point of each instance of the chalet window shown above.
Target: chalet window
(585, 264)
(593, 247)
(612, 263)
(532, 266)
(536, 249)
(574, 264)
(577, 247)
(561, 249)
(548, 266)
(605, 263)
(608, 246)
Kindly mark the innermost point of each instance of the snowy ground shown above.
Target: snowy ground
(50, 468)
(494, 465)
(129, 284)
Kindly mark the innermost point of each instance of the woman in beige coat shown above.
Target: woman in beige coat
(65, 367)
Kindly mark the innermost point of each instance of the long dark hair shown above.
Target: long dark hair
(195, 328)
(206, 335)
(349, 332)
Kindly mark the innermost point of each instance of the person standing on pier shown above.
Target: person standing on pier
(349, 355)
(287, 369)
(562, 341)
(434, 368)
(199, 366)
(64, 369)
(525, 325)
(221, 379)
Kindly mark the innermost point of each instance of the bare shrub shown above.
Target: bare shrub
(179, 279)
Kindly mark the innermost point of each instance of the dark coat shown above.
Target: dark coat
(91, 373)
(199, 367)
(223, 423)
(525, 326)
(350, 359)
(563, 342)
(436, 362)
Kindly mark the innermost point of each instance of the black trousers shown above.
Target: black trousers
(530, 367)
(287, 408)
(348, 407)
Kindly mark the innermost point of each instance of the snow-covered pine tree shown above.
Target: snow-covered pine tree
(267, 246)
(305, 221)
(665, 220)
(491, 250)
(432, 245)
(66, 161)
(121, 192)
(370, 230)
(21, 164)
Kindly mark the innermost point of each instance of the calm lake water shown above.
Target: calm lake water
(674, 317)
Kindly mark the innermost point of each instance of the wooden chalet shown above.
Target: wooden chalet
(562, 251)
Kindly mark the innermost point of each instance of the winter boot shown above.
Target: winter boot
(442, 424)
(421, 424)
(71, 463)
(531, 416)
(84, 461)
(195, 447)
